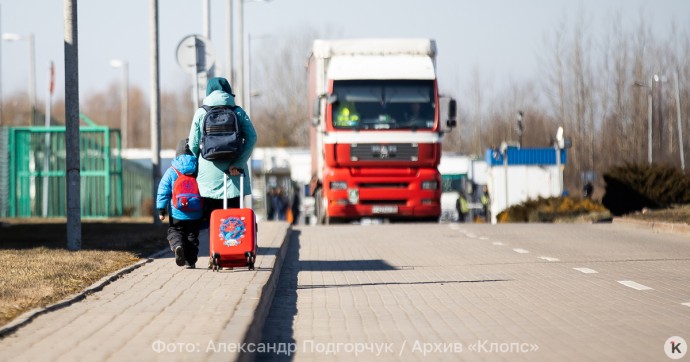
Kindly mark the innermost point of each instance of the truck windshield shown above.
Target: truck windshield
(384, 104)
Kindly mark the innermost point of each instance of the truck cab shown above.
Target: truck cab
(377, 129)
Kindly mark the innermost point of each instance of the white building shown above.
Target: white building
(522, 174)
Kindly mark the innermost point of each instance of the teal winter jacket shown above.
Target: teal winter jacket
(210, 176)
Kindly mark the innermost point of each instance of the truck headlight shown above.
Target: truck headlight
(338, 185)
(429, 185)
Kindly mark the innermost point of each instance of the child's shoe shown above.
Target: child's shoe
(179, 256)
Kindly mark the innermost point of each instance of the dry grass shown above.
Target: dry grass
(555, 209)
(36, 270)
(677, 214)
(41, 276)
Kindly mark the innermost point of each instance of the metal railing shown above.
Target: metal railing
(33, 175)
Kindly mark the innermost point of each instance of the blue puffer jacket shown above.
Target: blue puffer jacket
(187, 165)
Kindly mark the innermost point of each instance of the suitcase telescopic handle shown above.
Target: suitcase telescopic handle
(225, 189)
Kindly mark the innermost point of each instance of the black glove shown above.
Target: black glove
(161, 212)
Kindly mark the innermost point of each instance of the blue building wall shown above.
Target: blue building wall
(524, 156)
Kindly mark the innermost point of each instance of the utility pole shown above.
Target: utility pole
(659, 115)
(239, 86)
(229, 54)
(650, 115)
(207, 30)
(72, 126)
(32, 79)
(681, 149)
(155, 108)
(1, 100)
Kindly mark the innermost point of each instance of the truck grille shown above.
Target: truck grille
(383, 202)
(384, 152)
(383, 185)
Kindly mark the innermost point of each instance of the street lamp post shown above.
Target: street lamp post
(240, 67)
(32, 70)
(520, 127)
(229, 55)
(1, 105)
(649, 115)
(240, 47)
(681, 147)
(559, 145)
(46, 154)
(124, 97)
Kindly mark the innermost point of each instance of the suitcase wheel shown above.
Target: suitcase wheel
(250, 259)
(216, 262)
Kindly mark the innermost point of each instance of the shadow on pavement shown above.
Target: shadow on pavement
(143, 238)
(345, 265)
(279, 325)
(441, 282)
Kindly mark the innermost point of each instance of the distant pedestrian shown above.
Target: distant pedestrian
(280, 204)
(485, 199)
(270, 213)
(295, 206)
(463, 207)
(588, 190)
(178, 195)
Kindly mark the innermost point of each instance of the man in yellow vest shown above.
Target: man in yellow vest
(485, 203)
(346, 115)
(463, 207)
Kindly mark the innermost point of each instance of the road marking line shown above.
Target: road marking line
(483, 238)
(686, 304)
(497, 243)
(521, 251)
(470, 235)
(548, 258)
(586, 270)
(634, 285)
(454, 227)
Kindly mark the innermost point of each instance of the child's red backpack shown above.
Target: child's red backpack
(185, 193)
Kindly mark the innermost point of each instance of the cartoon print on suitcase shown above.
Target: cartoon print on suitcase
(233, 236)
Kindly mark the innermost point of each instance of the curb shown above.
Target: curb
(30, 315)
(655, 226)
(266, 288)
(251, 311)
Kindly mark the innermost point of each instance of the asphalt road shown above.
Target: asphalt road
(481, 292)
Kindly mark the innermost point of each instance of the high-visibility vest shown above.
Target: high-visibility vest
(464, 206)
(346, 115)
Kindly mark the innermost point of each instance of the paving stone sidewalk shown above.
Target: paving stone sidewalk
(159, 312)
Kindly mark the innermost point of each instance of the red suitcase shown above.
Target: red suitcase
(233, 234)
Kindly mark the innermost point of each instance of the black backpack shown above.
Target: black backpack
(220, 134)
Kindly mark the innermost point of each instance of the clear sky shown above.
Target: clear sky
(502, 39)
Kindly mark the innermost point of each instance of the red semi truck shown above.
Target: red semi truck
(377, 126)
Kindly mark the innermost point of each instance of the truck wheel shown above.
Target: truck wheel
(321, 217)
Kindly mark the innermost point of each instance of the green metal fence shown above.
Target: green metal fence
(4, 172)
(35, 175)
(137, 199)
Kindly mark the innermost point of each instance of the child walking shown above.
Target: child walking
(179, 193)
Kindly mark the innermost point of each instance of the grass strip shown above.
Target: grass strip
(35, 277)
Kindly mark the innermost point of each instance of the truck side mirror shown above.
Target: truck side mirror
(331, 98)
(316, 112)
(452, 113)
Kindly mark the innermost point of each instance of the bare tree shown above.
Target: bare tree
(281, 112)
(176, 117)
